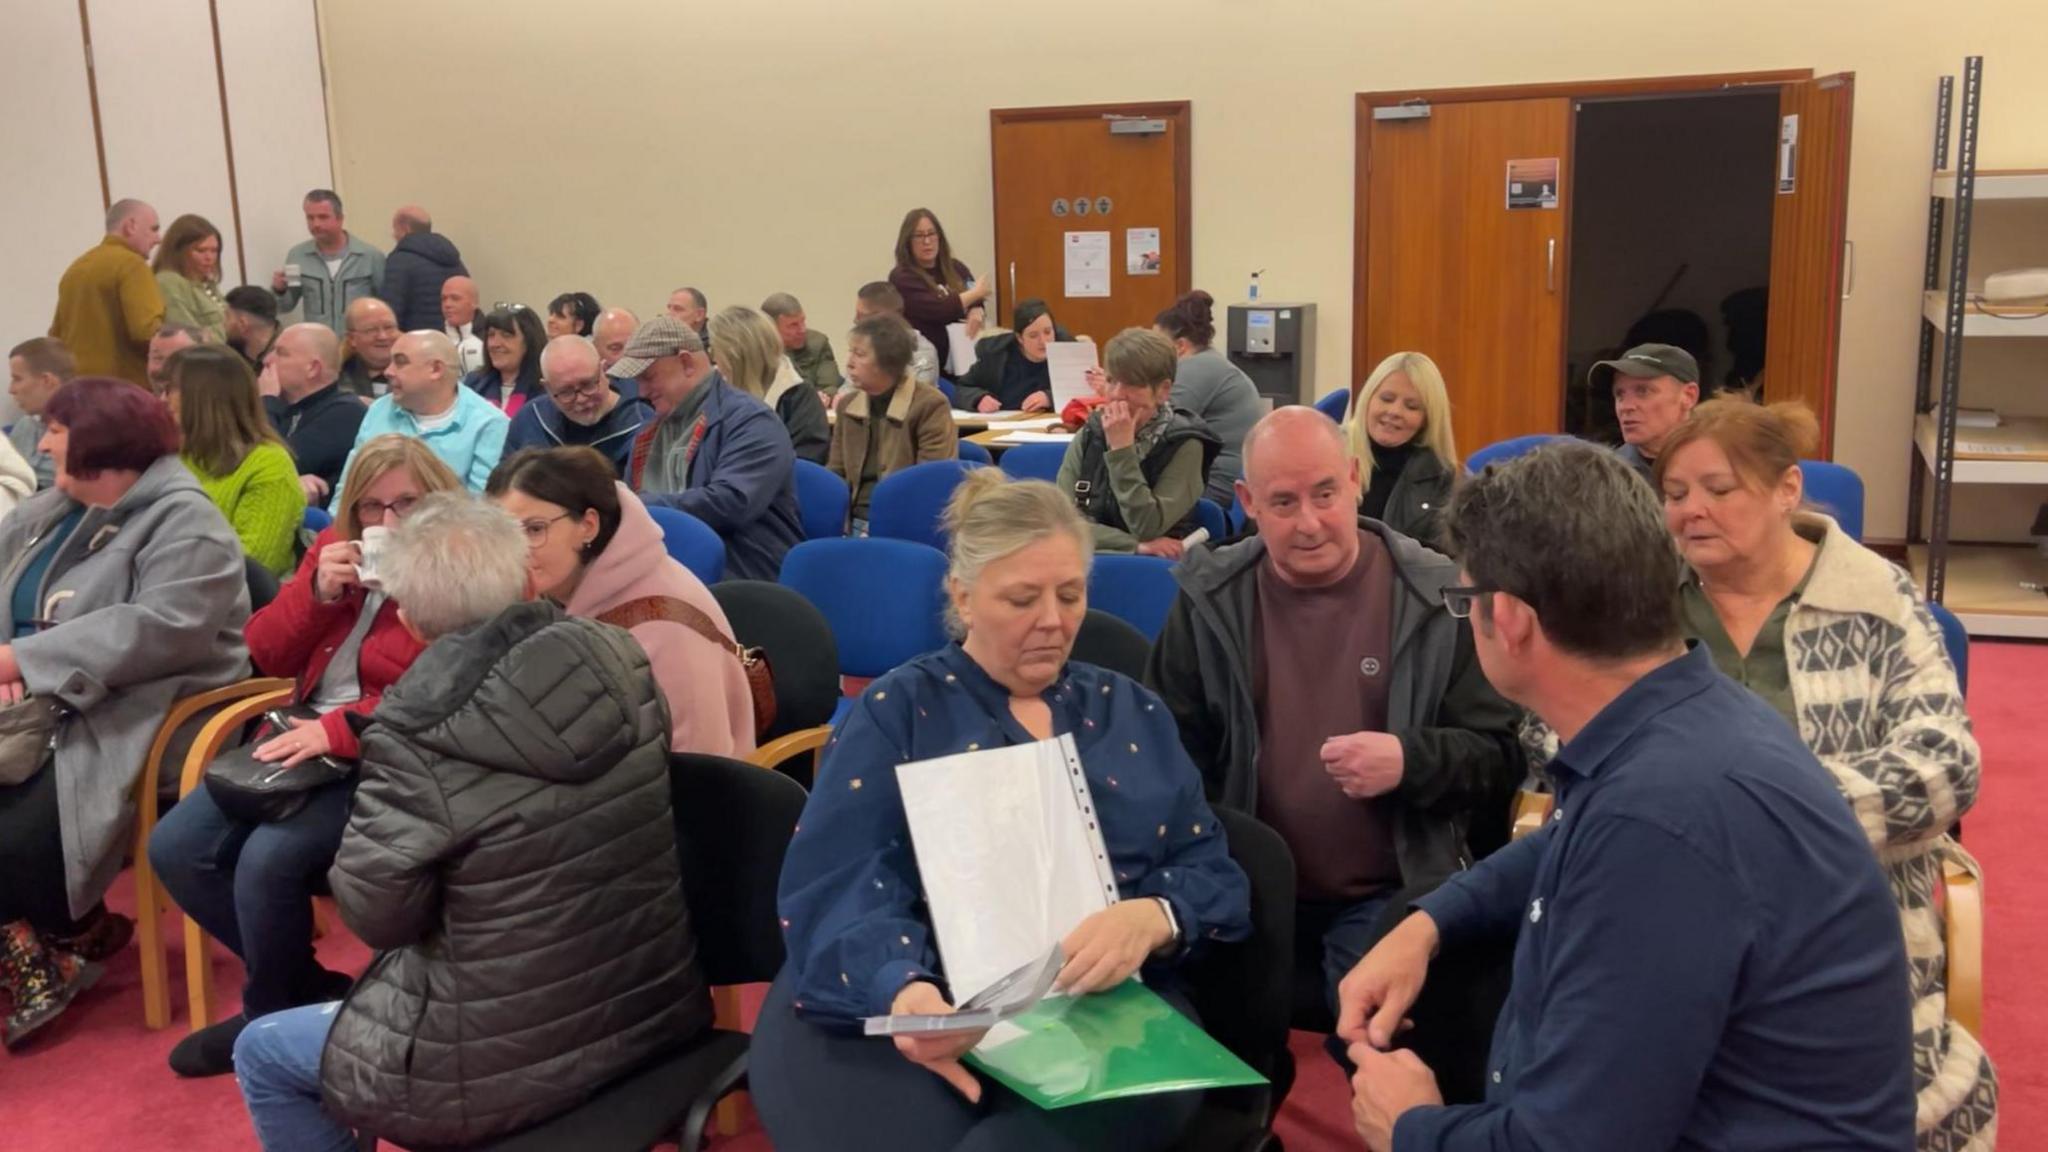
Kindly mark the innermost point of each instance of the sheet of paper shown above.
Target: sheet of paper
(1010, 854)
(1141, 251)
(1087, 264)
(1012, 438)
(959, 350)
(1068, 362)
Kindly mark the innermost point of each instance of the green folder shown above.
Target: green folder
(1116, 1044)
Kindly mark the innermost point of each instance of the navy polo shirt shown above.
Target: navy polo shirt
(1707, 956)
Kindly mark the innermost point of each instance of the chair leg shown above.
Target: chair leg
(198, 974)
(319, 919)
(149, 940)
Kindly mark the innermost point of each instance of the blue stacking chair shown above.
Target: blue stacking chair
(1139, 590)
(1238, 519)
(1509, 449)
(907, 503)
(1034, 461)
(1335, 405)
(1957, 639)
(317, 520)
(691, 542)
(821, 501)
(1212, 517)
(975, 453)
(883, 598)
(1838, 491)
(946, 386)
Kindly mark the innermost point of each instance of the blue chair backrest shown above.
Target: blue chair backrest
(908, 502)
(1509, 449)
(946, 386)
(691, 542)
(1957, 640)
(1335, 405)
(1212, 517)
(883, 598)
(318, 519)
(1139, 590)
(969, 450)
(1237, 516)
(1837, 491)
(821, 500)
(1034, 461)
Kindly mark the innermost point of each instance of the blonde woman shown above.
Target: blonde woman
(747, 351)
(187, 270)
(1400, 435)
(238, 457)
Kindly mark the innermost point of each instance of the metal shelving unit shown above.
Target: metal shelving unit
(1995, 590)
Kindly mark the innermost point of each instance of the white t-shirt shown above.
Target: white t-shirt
(436, 423)
(334, 265)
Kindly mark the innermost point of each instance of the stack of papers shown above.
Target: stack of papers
(1035, 438)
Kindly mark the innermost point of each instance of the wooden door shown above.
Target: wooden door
(1808, 228)
(1447, 268)
(1072, 170)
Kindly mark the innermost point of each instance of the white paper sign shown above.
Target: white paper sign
(1141, 251)
(1087, 264)
(959, 350)
(1068, 362)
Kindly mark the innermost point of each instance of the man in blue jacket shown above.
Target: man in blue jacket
(711, 450)
(579, 405)
(1707, 955)
(421, 261)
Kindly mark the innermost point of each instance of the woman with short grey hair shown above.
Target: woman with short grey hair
(514, 802)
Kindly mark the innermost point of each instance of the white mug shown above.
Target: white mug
(293, 276)
(371, 546)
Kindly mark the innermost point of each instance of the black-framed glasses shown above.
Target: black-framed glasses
(579, 390)
(370, 511)
(1460, 599)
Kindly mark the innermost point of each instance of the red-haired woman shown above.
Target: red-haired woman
(122, 589)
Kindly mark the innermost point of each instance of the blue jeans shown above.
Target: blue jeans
(1348, 935)
(277, 1061)
(250, 886)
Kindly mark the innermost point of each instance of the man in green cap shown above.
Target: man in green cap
(1656, 386)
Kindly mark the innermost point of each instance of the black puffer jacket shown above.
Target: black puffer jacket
(512, 854)
(413, 276)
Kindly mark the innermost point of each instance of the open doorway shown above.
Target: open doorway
(1670, 239)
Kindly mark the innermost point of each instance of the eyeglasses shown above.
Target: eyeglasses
(370, 511)
(537, 530)
(1459, 600)
(924, 235)
(571, 390)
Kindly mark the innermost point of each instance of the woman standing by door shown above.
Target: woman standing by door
(937, 289)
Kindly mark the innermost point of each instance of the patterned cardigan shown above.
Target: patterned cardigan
(1877, 703)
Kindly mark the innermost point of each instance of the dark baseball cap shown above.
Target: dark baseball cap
(1648, 361)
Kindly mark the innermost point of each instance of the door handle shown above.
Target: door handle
(1848, 272)
(1013, 280)
(1550, 265)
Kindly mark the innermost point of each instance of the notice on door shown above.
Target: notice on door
(1532, 183)
(1141, 251)
(1788, 155)
(1087, 264)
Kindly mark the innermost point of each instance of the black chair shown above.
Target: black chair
(733, 824)
(1109, 642)
(1241, 991)
(262, 584)
(805, 659)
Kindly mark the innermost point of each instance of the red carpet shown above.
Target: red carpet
(99, 1082)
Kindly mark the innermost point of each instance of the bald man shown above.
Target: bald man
(108, 304)
(459, 314)
(366, 348)
(317, 419)
(614, 327)
(1320, 684)
(418, 269)
(427, 401)
(579, 405)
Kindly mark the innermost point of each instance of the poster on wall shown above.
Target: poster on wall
(1532, 183)
(1087, 264)
(1141, 251)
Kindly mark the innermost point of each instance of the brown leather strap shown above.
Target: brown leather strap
(753, 662)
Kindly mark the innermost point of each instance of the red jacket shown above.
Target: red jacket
(296, 635)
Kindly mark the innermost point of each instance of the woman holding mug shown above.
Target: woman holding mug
(860, 942)
(937, 289)
(250, 886)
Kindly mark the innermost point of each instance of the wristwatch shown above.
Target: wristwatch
(1172, 921)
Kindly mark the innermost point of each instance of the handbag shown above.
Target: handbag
(753, 661)
(254, 792)
(28, 738)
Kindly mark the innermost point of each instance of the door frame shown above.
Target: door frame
(1576, 90)
(1181, 112)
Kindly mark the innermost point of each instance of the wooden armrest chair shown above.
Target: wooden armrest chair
(1530, 812)
(1965, 915)
(779, 751)
(150, 897)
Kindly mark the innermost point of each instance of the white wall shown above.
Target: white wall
(277, 105)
